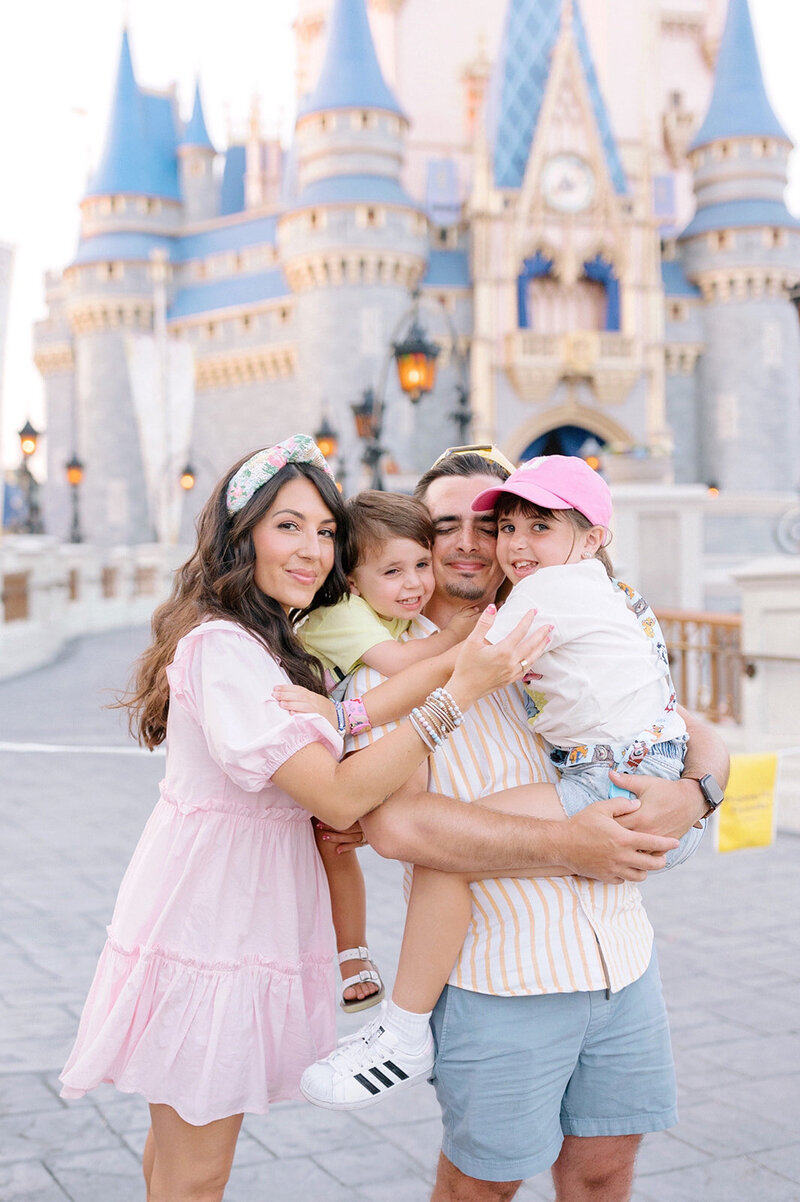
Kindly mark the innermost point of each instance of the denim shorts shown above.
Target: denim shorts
(583, 784)
(514, 1075)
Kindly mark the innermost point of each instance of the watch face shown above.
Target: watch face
(711, 791)
(568, 183)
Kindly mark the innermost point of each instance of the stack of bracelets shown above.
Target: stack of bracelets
(436, 718)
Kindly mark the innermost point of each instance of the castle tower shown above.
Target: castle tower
(107, 296)
(196, 156)
(570, 252)
(742, 250)
(351, 241)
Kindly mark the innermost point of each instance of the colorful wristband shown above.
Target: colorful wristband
(357, 718)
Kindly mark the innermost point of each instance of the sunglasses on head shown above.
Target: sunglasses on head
(484, 450)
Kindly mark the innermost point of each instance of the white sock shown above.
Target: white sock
(411, 1029)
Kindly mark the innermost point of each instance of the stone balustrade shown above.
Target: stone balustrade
(51, 592)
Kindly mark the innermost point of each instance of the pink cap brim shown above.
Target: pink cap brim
(526, 490)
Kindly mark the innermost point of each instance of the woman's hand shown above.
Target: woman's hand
(482, 667)
(342, 841)
(297, 700)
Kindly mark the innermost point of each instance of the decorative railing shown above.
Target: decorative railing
(705, 656)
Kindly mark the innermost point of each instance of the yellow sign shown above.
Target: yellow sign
(746, 817)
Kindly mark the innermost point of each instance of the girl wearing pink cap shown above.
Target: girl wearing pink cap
(601, 696)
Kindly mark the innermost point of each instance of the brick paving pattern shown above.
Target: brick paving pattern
(729, 946)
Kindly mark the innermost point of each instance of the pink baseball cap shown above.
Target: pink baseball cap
(555, 482)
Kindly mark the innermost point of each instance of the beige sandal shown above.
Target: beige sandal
(366, 976)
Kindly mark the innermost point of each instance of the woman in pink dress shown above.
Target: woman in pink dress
(215, 988)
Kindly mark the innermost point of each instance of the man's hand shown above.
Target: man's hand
(668, 807)
(595, 844)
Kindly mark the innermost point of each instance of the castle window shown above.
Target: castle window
(721, 240)
(210, 330)
(245, 321)
(774, 237)
(323, 123)
(370, 217)
(283, 316)
(677, 311)
(363, 120)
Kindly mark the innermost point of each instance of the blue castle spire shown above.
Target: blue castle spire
(196, 133)
(739, 105)
(139, 156)
(351, 76)
(124, 166)
(531, 31)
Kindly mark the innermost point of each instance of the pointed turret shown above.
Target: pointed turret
(196, 133)
(351, 77)
(139, 157)
(196, 156)
(739, 105)
(531, 31)
(125, 165)
(740, 154)
(741, 250)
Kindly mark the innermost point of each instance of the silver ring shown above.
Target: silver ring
(523, 663)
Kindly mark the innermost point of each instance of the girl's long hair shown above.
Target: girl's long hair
(217, 581)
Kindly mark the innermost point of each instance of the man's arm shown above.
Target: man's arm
(674, 807)
(443, 833)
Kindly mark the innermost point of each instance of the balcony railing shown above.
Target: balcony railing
(705, 656)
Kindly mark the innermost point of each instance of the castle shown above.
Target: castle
(588, 195)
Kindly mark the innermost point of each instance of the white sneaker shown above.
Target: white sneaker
(366, 1069)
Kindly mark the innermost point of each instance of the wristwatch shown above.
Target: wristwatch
(711, 791)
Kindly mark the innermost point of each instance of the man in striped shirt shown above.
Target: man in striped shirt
(552, 1043)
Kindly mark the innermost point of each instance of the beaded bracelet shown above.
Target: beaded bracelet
(422, 715)
(424, 733)
(357, 717)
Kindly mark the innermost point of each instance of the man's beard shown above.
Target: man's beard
(465, 591)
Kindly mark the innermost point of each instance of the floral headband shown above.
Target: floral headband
(262, 466)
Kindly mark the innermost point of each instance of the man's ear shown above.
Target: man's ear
(353, 586)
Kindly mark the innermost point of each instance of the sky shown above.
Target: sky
(58, 61)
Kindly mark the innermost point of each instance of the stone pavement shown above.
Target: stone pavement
(729, 944)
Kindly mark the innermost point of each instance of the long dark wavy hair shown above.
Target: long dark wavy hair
(217, 581)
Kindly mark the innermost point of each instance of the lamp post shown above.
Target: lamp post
(74, 470)
(29, 486)
(415, 356)
(327, 439)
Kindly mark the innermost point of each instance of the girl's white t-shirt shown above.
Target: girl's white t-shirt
(605, 676)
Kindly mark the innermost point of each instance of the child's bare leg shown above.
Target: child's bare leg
(349, 910)
(438, 915)
(535, 801)
(440, 907)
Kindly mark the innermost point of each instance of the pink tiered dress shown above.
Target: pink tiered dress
(215, 988)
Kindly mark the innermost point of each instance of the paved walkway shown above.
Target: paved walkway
(729, 942)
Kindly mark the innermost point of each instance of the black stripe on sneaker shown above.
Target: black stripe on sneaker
(398, 1072)
(379, 1076)
(373, 1089)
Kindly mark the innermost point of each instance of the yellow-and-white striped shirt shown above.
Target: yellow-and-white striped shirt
(548, 935)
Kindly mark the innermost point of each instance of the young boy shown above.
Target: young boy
(388, 566)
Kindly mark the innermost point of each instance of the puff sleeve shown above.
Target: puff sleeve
(224, 678)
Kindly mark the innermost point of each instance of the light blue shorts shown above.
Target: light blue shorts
(515, 1075)
(583, 784)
